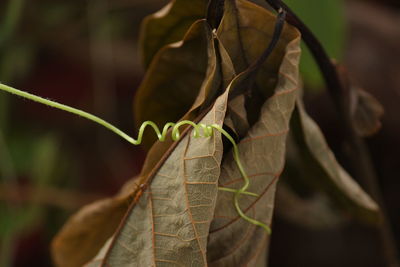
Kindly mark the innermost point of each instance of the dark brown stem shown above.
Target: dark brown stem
(256, 65)
(328, 70)
(279, 23)
(358, 153)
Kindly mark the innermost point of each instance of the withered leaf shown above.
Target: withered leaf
(174, 78)
(315, 212)
(319, 168)
(236, 116)
(86, 231)
(168, 26)
(245, 31)
(232, 240)
(181, 219)
(218, 75)
(366, 112)
(66, 250)
(170, 223)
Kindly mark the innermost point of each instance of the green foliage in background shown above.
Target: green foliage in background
(326, 20)
(38, 159)
(22, 154)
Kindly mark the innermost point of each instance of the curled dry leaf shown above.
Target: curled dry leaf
(181, 218)
(232, 240)
(85, 232)
(168, 26)
(65, 248)
(219, 74)
(178, 206)
(176, 211)
(315, 212)
(170, 223)
(317, 165)
(183, 79)
(366, 112)
(174, 78)
(236, 116)
(245, 31)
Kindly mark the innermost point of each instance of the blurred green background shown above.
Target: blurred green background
(84, 54)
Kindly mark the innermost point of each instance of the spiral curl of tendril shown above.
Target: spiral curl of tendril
(199, 130)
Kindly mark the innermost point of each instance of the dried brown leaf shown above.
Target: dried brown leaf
(168, 25)
(320, 169)
(218, 75)
(174, 78)
(366, 112)
(245, 31)
(236, 116)
(86, 231)
(170, 223)
(65, 249)
(232, 240)
(315, 212)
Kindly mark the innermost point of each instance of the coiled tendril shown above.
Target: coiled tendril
(199, 130)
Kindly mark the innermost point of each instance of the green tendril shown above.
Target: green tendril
(199, 130)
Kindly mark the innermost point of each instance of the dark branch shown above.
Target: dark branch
(328, 70)
(280, 22)
(255, 66)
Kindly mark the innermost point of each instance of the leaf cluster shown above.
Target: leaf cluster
(173, 213)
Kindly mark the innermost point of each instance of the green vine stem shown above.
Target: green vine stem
(199, 130)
